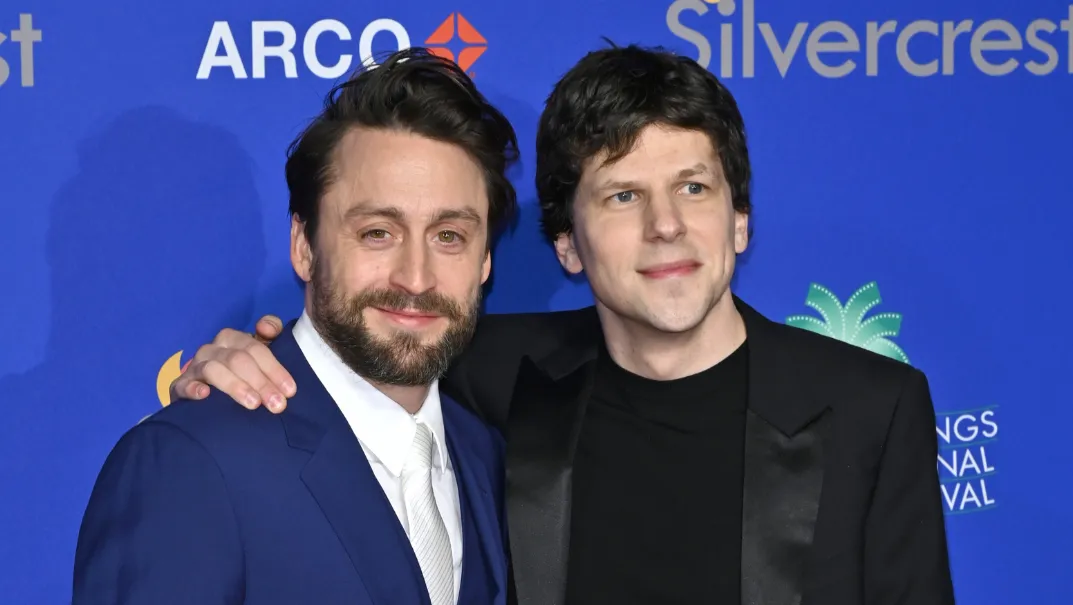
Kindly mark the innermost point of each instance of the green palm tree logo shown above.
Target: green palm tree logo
(847, 322)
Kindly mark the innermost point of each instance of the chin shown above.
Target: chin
(426, 334)
(673, 323)
(386, 332)
(673, 320)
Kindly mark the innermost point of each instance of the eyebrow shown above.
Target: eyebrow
(394, 213)
(694, 170)
(363, 210)
(458, 214)
(685, 173)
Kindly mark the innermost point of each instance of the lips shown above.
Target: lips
(675, 269)
(409, 318)
(408, 314)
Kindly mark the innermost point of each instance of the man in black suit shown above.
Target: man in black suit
(670, 444)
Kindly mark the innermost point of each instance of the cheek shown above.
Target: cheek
(713, 229)
(357, 272)
(608, 245)
(458, 274)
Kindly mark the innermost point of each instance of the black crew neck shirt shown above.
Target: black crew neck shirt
(657, 488)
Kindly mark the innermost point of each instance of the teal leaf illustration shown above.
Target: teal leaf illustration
(859, 304)
(887, 348)
(848, 323)
(828, 306)
(883, 325)
(807, 322)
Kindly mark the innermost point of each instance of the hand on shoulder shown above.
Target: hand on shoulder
(242, 366)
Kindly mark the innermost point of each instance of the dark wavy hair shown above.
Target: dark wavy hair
(604, 102)
(415, 91)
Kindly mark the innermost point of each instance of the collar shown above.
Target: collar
(384, 429)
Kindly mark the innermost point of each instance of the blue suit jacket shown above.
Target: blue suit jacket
(209, 503)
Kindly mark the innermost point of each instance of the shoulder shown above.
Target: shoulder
(842, 362)
(473, 430)
(188, 443)
(216, 423)
(530, 333)
(865, 389)
(483, 376)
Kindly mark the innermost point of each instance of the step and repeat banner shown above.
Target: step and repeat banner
(913, 196)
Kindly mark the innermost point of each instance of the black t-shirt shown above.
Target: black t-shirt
(657, 488)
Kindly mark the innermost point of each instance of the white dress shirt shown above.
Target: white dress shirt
(385, 431)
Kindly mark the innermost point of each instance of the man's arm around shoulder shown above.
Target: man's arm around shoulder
(906, 560)
(482, 378)
(159, 527)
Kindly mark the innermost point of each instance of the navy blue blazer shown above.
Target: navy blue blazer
(207, 502)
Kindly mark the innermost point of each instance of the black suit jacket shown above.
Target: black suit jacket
(842, 503)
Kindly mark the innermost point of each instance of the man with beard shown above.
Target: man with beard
(670, 444)
(371, 487)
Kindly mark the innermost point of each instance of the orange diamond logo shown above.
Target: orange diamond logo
(457, 26)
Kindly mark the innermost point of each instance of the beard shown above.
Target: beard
(401, 359)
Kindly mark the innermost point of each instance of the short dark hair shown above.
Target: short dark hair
(605, 101)
(411, 90)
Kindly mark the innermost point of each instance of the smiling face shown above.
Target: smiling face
(656, 232)
(400, 253)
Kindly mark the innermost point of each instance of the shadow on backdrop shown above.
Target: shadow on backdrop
(153, 245)
(526, 275)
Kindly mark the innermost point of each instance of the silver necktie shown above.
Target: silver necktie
(428, 534)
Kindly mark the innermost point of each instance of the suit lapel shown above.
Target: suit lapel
(784, 435)
(547, 408)
(339, 477)
(475, 487)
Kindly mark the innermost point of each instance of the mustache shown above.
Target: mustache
(396, 300)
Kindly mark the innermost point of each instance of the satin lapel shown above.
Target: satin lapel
(339, 477)
(784, 467)
(542, 432)
(783, 480)
(473, 480)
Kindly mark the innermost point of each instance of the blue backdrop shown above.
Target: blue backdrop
(916, 149)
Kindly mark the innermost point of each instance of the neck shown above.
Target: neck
(658, 355)
(410, 398)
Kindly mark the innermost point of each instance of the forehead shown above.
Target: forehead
(418, 175)
(658, 152)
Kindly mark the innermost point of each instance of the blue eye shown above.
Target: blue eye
(695, 188)
(624, 196)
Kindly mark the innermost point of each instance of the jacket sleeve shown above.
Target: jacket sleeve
(905, 558)
(159, 528)
(482, 378)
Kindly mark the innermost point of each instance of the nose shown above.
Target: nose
(663, 219)
(413, 270)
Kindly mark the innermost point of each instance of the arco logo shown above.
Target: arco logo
(278, 48)
(847, 323)
(472, 41)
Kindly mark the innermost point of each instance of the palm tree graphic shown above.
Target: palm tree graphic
(847, 322)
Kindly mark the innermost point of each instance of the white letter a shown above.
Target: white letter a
(221, 34)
